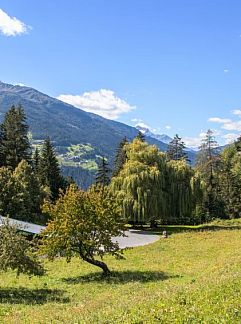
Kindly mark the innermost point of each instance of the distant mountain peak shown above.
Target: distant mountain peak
(160, 137)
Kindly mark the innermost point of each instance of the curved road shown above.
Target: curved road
(135, 238)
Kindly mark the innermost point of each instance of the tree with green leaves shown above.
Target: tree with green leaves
(140, 185)
(229, 178)
(176, 149)
(103, 173)
(83, 223)
(151, 189)
(31, 191)
(120, 157)
(21, 195)
(11, 197)
(184, 192)
(17, 253)
(49, 170)
(15, 145)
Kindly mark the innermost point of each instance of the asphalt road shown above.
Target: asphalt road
(135, 238)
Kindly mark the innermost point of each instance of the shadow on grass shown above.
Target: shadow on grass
(31, 296)
(120, 277)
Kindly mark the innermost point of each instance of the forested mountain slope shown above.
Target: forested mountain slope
(79, 137)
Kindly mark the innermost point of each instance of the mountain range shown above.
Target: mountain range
(160, 137)
(80, 138)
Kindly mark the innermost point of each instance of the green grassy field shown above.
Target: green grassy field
(193, 276)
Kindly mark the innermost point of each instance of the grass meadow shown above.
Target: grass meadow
(194, 276)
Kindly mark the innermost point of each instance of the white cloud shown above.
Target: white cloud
(11, 26)
(225, 70)
(219, 120)
(236, 112)
(168, 127)
(233, 125)
(228, 124)
(230, 138)
(194, 142)
(102, 102)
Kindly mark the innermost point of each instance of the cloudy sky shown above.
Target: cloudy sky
(174, 66)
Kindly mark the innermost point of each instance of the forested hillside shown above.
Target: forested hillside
(71, 130)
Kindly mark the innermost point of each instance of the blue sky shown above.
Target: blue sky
(172, 65)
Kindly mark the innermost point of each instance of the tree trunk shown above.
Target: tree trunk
(99, 264)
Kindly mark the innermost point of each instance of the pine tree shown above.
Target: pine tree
(103, 174)
(2, 162)
(36, 161)
(120, 157)
(15, 145)
(49, 170)
(238, 144)
(176, 149)
(140, 136)
(207, 163)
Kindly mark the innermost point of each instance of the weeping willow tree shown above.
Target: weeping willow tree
(198, 187)
(140, 185)
(151, 189)
(183, 189)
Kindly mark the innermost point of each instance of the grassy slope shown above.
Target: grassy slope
(191, 277)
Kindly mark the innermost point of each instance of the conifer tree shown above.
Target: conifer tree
(176, 149)
(49, 170)
(238, 144)
(36, 161)
(120, 157)
(140, 136)
(2, 162)
(207, 164)
(15, 145)
(103, 174)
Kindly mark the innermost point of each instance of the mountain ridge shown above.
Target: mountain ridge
(71, 129)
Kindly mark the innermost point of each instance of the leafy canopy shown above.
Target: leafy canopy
(83, 223)
(17, 253)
